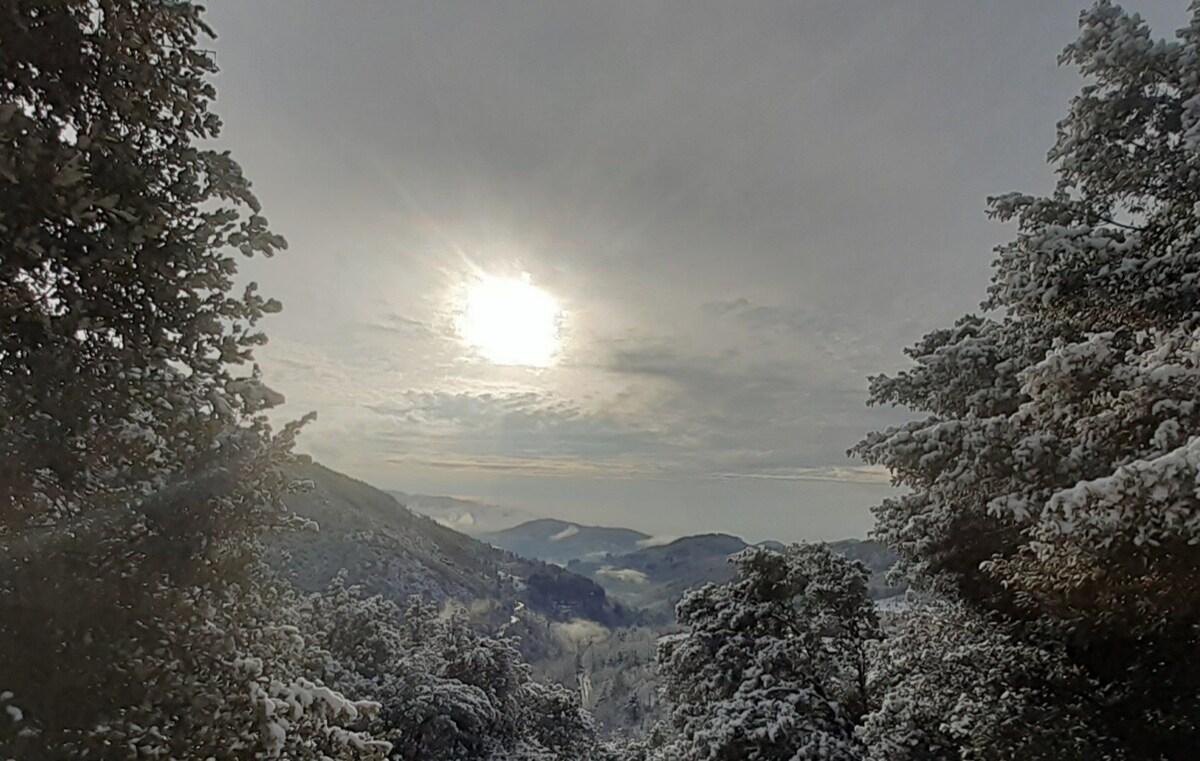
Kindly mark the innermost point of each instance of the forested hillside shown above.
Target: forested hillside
(561, 542)
(390, 551)
(655, 578)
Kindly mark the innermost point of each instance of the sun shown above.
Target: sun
(510, 321)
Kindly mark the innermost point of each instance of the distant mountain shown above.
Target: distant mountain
(392, 551)
(469, 516)
(654, 578)
(560, 542)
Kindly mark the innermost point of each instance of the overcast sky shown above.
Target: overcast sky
(742, 208)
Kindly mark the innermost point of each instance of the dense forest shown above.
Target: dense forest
(1047, 531)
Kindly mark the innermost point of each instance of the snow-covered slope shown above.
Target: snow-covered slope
(392, 551)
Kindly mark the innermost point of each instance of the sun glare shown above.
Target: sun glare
(510, 321)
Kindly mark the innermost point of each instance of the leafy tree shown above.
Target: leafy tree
(772, 665)
(1053, 479)
(137, 469)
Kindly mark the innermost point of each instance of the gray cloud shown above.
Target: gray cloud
(518, 425)
(744, 209)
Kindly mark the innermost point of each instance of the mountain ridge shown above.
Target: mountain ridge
(468, 516)
(390, 550)
(653, 576)
(560, 541)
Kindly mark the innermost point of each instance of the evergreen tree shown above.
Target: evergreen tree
(446, 692)
(137, 469)
(772, 665)
(951, 685)
(1053, 479)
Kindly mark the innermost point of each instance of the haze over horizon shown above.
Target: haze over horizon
(738, 211)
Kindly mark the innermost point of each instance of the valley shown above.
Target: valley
(587, 603)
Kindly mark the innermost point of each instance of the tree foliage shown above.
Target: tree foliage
(773, 664)
(446, 693)
(137, 469)
(950, 684)
(123, 336)
(1053, 478)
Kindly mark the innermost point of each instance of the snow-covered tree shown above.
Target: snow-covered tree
(773, 664)
(446, 693)
(951, 685)
(1053, 479)
(137, 469)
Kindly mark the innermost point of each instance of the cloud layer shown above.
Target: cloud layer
(743, 208)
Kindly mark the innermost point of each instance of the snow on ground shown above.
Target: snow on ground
(569, 531)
